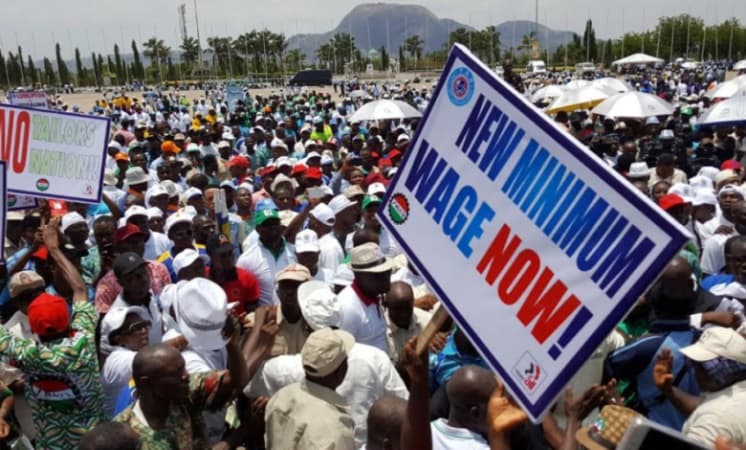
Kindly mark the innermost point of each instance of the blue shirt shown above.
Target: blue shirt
(444, 364)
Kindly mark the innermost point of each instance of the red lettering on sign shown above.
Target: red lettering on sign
(14, 138)
(518, 280)
(542, 305)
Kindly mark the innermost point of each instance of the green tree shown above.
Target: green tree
(189, 51)
(118, 66)
(138, 70)
(157, 51)
(14, 70)
(221, 52)
(413, 45)
(402, 59)
(62, 69)
(295, 59)
(80, 71)
(33, 74)
(50, 78)
(96, 70)
(384, 58)
(589, 42)
(3, 71)
(20, 63)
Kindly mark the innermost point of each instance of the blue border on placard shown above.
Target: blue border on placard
(103, 159)
(678, 239)
(3, 222)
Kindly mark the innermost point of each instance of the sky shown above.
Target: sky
(95, 25)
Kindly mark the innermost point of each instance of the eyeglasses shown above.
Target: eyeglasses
(136, 326)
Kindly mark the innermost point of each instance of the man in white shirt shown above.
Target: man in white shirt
(131, 272)
(267, 256)
(370, 374)
(156, 243)
(719, 358)
(362, 313)
(466, 427)
(722, 223)
(321, 219)
(713, 251)
(201, 308)
(404, 320)
(307, 254)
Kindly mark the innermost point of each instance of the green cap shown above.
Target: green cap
(371, 200)
(264, 215)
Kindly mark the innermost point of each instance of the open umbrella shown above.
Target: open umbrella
(577, 84)
(728, 88)
(550, 91)
(633, 105)
(584, 98)
(385, 110)
(740, 65)
(359, 93)
(612, 84)
(729, 112)
(637, 58)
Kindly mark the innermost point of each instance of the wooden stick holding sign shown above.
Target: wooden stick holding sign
(437, 320)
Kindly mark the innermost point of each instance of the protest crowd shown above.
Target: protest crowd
(235, 289)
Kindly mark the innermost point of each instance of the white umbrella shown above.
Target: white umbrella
(729, 112)
(637, 58)
(740, 65)
(633, 105)
(613, 84)
(577, 84)
(359, 93)
(550, 91)
(727, 89)
(385, 110)
(584, 98)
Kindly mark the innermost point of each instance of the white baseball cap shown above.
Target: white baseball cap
(340, 203)
(154, 213)
(135, 210)
(717, 342)
(186, 258)
(114, 319)
(307, 241)
(71, 219)
(376, 189)
(191, 193)
(704, 196)
(155, 191)
(201, 308)
(638, 170)
(319, 305)
(178, 217)
(324, 214)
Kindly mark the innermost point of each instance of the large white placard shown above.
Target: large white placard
(535, 246)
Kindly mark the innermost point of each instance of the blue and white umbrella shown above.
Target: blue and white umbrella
(728, 113)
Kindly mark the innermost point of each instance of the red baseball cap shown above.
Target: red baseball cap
(267, 171)
(384, 162)
(57, 208)
(394, 153)
(238, 161)
(668, 201)
(298, 169)
(730, 164)
(48, 314)
(313, 173)
(126, 232)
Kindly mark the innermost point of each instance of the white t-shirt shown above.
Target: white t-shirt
(330, 252)
(263, 264)
(366, 323)
(116, 375)
(446, 437)
(370, 376)
(156, 244)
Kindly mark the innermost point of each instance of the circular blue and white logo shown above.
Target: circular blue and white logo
(460, 86)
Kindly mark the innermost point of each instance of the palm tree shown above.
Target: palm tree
(189, 50)
(527, 42)
(157, 51)
(413, 45)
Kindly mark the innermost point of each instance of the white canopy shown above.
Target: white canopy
(637, 58)
(726, 113)
(384, 110)
(740, 65)
(635, 105)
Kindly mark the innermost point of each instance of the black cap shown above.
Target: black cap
(218, 243)
(126, 263)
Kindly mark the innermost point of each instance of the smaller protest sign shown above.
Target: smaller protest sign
(53, 154)
(20, 202)
(3, 209)
(35, 99)
(233, 94)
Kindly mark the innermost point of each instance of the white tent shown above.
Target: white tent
(740, 65)
(637, 58)
(635, 105)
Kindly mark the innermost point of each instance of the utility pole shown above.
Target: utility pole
(199, 41)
